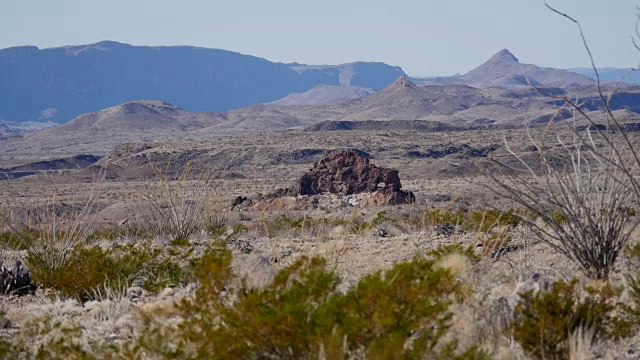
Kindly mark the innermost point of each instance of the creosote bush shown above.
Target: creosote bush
(444, 250)
(90, 269)
(545, 320)
(632, 308)
(402, 313)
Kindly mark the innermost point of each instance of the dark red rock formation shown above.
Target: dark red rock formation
(347, 172)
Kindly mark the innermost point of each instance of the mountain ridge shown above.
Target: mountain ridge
(422, 108)
(61, 83)
(504, 69)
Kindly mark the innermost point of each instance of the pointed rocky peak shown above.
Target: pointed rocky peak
(504, 55)
(402, 82)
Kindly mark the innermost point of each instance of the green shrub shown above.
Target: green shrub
(179, 242)
(85, 271)
(483, 221)
(487, 220)
(632, 308)
(444, 250)
(433, 217)
(18, 239)
(402, 313)
(545, 320)
(118, 233)
(166, 273)
(89, 269)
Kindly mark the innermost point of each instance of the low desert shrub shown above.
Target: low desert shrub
(403, 313)
(487, 220)
(92, 268)
(632, 308)
(19, 239)
(300, 226)
(179, 242)
(216, 223)
(545, 320)
(119, 233)
(481, 221)
(171, 271)
(444, 250)
(88, 269)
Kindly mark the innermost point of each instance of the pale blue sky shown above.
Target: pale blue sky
(425, 37)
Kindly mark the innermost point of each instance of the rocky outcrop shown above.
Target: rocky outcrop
(345, 173)
(388, 196)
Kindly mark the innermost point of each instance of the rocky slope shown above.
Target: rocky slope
(322, 94)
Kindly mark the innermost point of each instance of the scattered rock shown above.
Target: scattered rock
(445, 229)
(439, 198)
(5, 323)
(465, 150)
(502, 313)
(383, 232)
(167, 292)
(241, 245)
(239, 200)
(274, 259)
(134, 292)
(16, 281)
(503, 250)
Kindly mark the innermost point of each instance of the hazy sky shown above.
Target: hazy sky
(425, 37)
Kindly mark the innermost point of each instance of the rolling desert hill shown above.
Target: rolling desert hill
(323, 94)
(100, 131)
(59, 84)
(629, 75)
(402, 105)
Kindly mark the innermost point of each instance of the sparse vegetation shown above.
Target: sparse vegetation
(546, 320)
(175, 206)
(302, 315)
(166, 263)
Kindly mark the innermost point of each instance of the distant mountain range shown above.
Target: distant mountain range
(59, 84)
(9, 128)
(629, 75)
(402, 105)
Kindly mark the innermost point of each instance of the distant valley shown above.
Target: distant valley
(501, 93)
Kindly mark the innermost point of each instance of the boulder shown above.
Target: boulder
(388, 196)
(347, 172)
(344, 173)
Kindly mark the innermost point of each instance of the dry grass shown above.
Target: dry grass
(478, 319)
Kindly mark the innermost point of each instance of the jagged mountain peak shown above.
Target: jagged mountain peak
(504, 55)
(402, 82)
